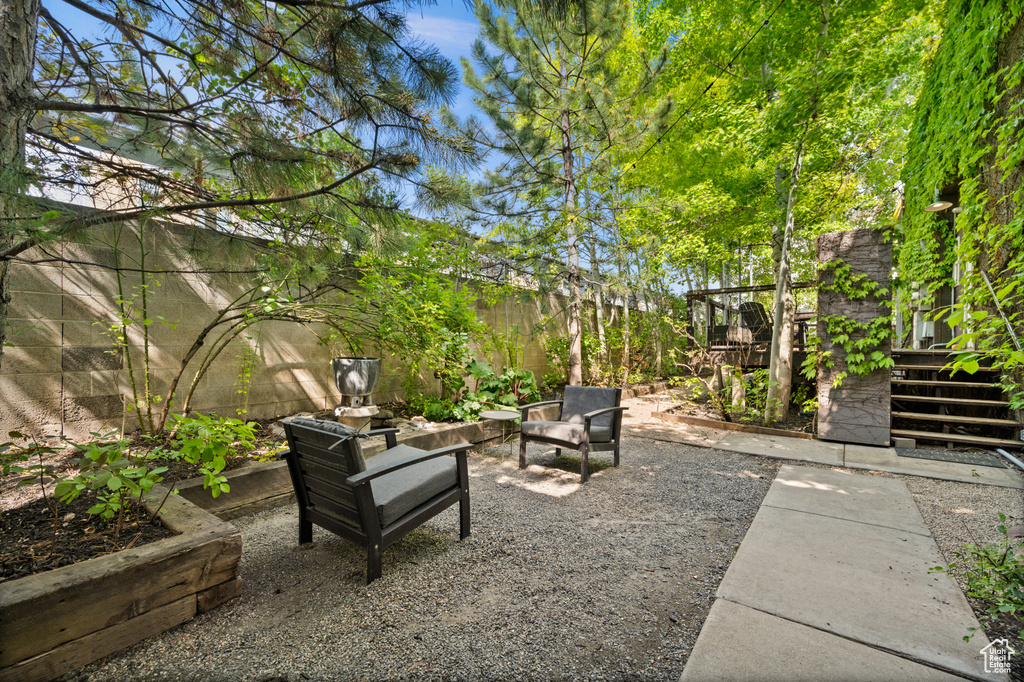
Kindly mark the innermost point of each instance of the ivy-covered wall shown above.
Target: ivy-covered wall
(968, 143)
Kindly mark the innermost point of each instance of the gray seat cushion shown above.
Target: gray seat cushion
(398, 493)
(579, 400)
(565, 431)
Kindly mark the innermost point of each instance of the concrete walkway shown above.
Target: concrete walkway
(832, 582)
(822, 452)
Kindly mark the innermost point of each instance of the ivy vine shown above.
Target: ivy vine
(862, 342)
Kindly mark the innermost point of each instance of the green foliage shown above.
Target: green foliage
(861, 342)
(118, 478)
(415, 310)
(556, 350)
(966, 141)
(208, 440)
(511, 388)
(995, 575)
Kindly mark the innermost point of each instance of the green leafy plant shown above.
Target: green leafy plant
(496, 391)
(995, 576)
(437, 409)
(118, 478)
(207, 440)
(862, 342)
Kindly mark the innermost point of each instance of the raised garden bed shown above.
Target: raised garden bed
(730, 426)
(60, 620)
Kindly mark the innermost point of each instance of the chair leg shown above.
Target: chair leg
(522, 451)
(305, 530)
(464, 515)
(373, 563)
(616, 454)
(585, 465)
(558, 452)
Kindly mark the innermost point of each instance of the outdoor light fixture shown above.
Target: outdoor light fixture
(937, 205)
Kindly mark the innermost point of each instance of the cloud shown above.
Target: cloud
(453, 37)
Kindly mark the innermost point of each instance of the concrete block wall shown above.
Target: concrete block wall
(60, 374)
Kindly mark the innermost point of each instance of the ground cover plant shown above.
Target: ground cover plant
(995, 582)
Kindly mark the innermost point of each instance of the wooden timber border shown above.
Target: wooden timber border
(731, 426)
(55, 622)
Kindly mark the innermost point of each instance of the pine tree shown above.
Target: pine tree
(560, 108)
(292, 117)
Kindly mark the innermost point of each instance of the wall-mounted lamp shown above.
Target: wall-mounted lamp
(937, 205)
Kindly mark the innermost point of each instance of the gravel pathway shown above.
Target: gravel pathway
(607, 581)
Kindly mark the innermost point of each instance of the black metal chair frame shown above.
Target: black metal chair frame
(342, 501)
(585, 447)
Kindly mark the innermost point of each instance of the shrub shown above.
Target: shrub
(995, 577)
(207, 441)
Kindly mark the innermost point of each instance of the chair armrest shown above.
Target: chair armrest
(590, 415)
(371, 473)
(389, 435)
(526, 408)
(381, 432)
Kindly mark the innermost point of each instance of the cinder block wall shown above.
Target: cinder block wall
(60, 375)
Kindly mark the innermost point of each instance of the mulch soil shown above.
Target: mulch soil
(33, 539)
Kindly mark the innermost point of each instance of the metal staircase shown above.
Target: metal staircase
(931, 404)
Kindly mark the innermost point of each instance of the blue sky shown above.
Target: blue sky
(451, 27)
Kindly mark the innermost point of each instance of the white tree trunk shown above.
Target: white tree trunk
(780, 368)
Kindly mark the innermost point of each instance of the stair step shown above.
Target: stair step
(950, 384)
(977, 421)
(958, 438)
(950, 401)
(936, 368)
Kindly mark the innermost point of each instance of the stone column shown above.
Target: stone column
(858, 411)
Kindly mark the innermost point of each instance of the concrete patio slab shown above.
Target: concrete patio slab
(886, 459)
(864, 582)
(740, 643)
(782, 447)
(866, 499)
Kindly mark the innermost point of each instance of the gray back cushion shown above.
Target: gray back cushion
(578, 400)
(342, 431)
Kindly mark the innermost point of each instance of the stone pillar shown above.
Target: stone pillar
(858, 411)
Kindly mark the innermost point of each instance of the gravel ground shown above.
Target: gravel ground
(608, 581)
(611, 580)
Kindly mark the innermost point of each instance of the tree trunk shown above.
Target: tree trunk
(18, 22)
(780, 368)
(573, 252)
(598, 303)
(625, 338)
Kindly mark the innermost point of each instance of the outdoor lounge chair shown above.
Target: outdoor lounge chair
(754, 317)
(590, 419)
(374, 503)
